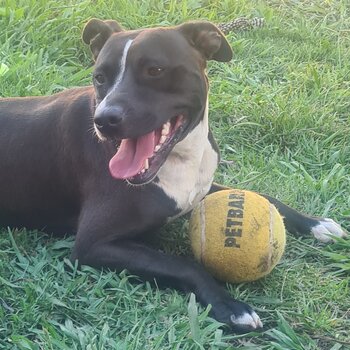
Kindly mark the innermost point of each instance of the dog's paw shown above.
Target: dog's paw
(248, 321)
(325, 229)
(239, 316)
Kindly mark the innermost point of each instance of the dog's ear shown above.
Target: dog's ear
(97, 32)
(207, 39)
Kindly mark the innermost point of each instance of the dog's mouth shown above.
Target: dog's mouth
(139, 160)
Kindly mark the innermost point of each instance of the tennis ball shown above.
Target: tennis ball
(239, 236)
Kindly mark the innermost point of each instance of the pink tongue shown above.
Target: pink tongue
(131, 156)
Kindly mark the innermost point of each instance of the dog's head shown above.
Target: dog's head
(151, 89)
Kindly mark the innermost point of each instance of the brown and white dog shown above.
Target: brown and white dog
(151, 158)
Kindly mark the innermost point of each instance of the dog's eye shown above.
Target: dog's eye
(155, 71)
(100, 79)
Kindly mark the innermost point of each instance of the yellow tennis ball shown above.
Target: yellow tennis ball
(239, 236)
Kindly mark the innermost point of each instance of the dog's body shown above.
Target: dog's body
(150, 100)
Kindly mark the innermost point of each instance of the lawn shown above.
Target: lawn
(281, 114)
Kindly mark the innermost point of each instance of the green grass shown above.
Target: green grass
(281, 114)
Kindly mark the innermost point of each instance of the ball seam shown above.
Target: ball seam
(272, 226)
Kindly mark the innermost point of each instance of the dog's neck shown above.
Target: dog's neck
(188, 172)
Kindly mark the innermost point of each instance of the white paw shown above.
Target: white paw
(327, 228)
(247, 320)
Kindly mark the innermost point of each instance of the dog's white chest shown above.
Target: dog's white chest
(188, 173)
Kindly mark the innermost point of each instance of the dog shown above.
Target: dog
(115, 161)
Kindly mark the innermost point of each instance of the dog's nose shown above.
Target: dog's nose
(108, 118)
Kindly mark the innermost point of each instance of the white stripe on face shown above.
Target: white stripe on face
(120, 76)
(122, 65)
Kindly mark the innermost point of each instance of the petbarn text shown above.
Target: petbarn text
(234, 220)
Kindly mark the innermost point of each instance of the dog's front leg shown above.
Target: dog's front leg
(170, 271)
(300, 224)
